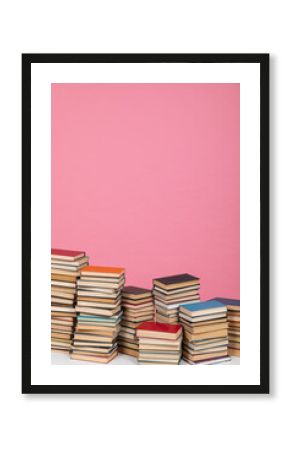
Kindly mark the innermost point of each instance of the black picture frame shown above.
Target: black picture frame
(263, 61)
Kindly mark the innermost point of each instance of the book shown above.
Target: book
(68, 255)
(176, 281)
(231, 304)
(202, 308)
(160, 330)
(90, 357)
(103, 271)
(135, 292)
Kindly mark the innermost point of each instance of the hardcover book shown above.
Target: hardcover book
(164, 330)
(103, 271)
(70, 255)
(174, 281)
(200, 307)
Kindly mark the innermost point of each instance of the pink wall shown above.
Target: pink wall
(146, 176)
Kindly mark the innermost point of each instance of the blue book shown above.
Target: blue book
(227, 301)
(111, 319)
(209, 307)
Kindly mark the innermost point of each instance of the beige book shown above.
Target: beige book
(91, 358)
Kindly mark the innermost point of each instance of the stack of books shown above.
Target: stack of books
(205, 332)
(65, 269)
(99, 313)
(138, 306)
(173, 291)
(233, 310)
(159, 343)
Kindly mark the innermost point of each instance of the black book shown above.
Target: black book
(176, 281)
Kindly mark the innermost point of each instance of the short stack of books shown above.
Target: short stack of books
(138, 306)
(65, 269)
(173, 291)
(205, 332)
(159, 343)
(233, 309)
(99, 313)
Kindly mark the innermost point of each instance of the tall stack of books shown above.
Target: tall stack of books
(99, 313)
(233, 310)
(138, 306)
(205, 332)
(171, 292)
(159, 343)
(65, 269)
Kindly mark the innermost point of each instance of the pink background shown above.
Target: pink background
(147, 176)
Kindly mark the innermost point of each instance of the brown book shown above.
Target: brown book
(60, 351)
(163, 319)
(60, 314)
(59, 291)
(128, 351)
(61, 301)
(93, 358)
(134, 292)
(128, 343)
(105, 301)
(205, 329)
(234, 351)
(97, 304)
(203, 323)
(204, 356)
(94, 350)
(234, 319)
(138, 313)
(139, 319)
(65, 273)
(56, 328)
(137, 306)
(234, 325)
(97, 311)
(209, 335)
(58, 277)
(62, 335)
(194, 295)
(57, 343)
(94, 337)
(61, 294)
(63, 309)
(98, 330)
(63, 320)
(163, 347)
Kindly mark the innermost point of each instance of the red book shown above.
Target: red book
(159, 330)
(68, 255)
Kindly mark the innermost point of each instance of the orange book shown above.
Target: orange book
(102, 271)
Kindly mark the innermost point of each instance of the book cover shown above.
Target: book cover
(135, 290)
(200, 306)
(175, 279)
(67, 253)
(103, 269)
(159, 327)
(227, 301)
